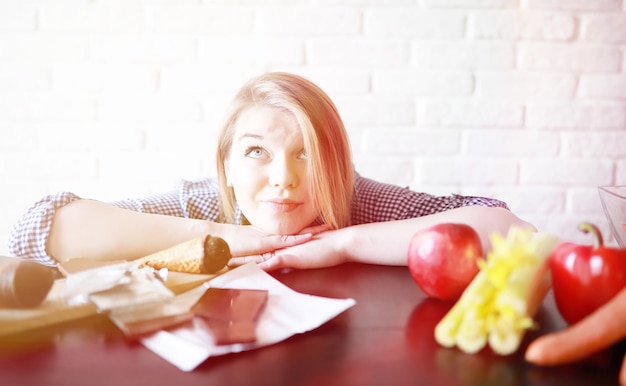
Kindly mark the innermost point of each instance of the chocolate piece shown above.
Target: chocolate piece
(230, 315)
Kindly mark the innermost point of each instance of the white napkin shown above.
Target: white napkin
(287, 313)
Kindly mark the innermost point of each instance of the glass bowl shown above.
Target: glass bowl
(613, 200)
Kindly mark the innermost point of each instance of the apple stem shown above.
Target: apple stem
(586, 227)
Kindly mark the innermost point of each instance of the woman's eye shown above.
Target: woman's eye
(302, 155)
(254, 152)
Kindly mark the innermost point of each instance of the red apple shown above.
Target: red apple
(443, 259)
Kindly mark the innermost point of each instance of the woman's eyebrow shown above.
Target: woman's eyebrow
(250, 135)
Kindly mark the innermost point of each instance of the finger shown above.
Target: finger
(273, 263)
(622, 373)
(268, 244)
(282, 241)
(241, 260)
(595, 332)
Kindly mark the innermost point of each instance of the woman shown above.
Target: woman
(286, 195)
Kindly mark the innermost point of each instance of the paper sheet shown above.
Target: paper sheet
(287, 313)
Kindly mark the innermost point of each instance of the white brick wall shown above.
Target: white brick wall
(524, 100)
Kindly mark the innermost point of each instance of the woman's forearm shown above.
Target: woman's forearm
(387, 242)
(93, 229)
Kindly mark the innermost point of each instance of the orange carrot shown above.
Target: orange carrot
(595, 332)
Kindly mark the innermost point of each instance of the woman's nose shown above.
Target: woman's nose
(283, 173)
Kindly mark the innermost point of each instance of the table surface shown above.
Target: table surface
(385, 339)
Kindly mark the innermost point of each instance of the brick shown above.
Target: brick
(400, 22)
(208, 20)
(603, 86)
(391, 170)
(199, 79)
(119, 138)
(235, 50)
(151, 49)
(509, 85)
(462, 55)
(193, 139)
(584, 200)
(91, 137)
(368, 110)
(566, 172)
(63, 108)
(131, 78)
(43, 48)
(565, 226)
(471, 3)
(78, 78)
(50, 166)
(147, 166)
(357, 52)
(18, 18)
(24, 77)
(337, 80)
(620, 172)
(411, 141)
(298, 21)
(214, 109)
(111, 189)
(464, 113)
(123, 108)
(423, 83)
(360, 2)
(515, 25)
(467, 170)
(94, 78)
(596, 144)
(604, 28)
(524, 199)
(576, 115)
(14, 108)
(576, 5)
(65, 138)
(82, 18)
(129, 19)
(512, 143)
(569, 57)
(18, 137)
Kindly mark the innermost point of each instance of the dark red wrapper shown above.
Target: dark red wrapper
(230, 315)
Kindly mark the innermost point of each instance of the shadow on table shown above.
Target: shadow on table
(450, 366)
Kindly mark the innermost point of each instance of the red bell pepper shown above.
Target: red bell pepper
(584, 277)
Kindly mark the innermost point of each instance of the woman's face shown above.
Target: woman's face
(266, 167)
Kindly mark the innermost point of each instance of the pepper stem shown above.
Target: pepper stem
(586, 227)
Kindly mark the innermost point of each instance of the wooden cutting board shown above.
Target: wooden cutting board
(55, 310)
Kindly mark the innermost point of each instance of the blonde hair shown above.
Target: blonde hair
(325, 139)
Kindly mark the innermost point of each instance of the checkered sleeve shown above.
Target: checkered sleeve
(376, 202)
(30, 233)
(191, 199)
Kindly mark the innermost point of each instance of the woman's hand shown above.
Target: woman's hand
(597, 331)
(248, 240)
(319, 250)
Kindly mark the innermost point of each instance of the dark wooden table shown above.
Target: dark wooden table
(386, 339)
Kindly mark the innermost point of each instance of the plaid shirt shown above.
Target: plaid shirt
(372, 202)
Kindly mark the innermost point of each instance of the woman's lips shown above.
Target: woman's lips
(281, 205)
